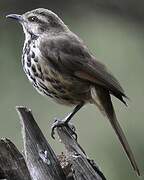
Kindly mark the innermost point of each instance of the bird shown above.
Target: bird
(59, 65)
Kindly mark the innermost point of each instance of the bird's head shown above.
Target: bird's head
(39, 21)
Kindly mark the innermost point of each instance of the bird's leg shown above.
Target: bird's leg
(65, 121)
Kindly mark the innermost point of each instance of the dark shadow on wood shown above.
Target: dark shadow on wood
(12, 163)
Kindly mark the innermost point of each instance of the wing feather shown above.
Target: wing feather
(68, 54)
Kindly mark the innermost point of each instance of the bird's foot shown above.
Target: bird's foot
(60, 123)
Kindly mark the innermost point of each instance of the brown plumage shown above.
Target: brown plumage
(59, 65)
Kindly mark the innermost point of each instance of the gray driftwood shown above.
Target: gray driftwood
(39, 161)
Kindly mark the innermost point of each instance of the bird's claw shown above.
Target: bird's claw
(60, 123)
(57, 123)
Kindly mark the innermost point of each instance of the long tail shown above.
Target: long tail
(105, 101)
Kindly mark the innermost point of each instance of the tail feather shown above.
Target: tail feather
(106, 103)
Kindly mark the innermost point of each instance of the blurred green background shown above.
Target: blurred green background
(114, 31)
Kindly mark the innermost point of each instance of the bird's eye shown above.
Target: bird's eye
(33, 19)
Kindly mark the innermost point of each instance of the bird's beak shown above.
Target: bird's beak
(16, 17)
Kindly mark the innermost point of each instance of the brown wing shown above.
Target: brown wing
(69, 55)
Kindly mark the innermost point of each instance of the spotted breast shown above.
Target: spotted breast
(45, 79)
(34, 69)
